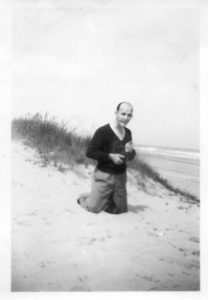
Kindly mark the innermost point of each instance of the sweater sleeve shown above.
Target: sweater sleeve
(94, 148)
(130, 155)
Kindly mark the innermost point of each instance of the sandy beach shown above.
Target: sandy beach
(58, 246)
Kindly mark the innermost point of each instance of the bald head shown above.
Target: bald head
(124, 104)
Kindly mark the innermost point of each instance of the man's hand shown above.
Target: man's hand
(117, 158)
(129, 147)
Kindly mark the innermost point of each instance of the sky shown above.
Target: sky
(78, 61)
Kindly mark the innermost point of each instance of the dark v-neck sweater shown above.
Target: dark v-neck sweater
(104, 142)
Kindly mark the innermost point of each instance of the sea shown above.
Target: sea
(181, 167)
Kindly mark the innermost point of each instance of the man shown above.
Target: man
(111, 146)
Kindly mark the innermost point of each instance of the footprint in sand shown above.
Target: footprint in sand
(186, 273)
(183, 250)
(45, 220)
(194, 239)
(91, 241)
(168, 260)
(17, 183)
(102, 239)
(23, 223)
(32, 213)
(193, 265)
(196, 253)
(150, 278)
(83, 278)
(188, 252)
(181, 207)
(176, 286)
(43, 264)
(157, 234)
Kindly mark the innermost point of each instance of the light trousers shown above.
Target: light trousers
(108, 193)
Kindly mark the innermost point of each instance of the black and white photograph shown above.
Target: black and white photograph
(105, 146)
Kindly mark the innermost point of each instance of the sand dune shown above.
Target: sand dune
(58, 246)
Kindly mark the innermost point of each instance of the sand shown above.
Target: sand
(58, 246)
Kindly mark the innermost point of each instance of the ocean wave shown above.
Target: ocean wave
(169, 152)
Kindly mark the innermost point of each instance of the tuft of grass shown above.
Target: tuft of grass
(56, 145)
(52, 139)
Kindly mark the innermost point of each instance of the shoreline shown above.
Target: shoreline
(182, 173)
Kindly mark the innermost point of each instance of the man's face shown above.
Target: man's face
(124, 115)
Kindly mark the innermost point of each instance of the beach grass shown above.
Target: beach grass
(58, 145)
(147, 171)
(51, 139)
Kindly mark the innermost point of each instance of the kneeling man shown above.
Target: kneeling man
(111, 146)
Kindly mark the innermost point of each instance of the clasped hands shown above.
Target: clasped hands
(119, 158)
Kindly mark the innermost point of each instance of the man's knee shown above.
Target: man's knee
(97, 209)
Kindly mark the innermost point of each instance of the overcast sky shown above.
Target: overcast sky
(78, 62)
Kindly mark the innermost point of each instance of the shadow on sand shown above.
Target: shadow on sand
(137, 208)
